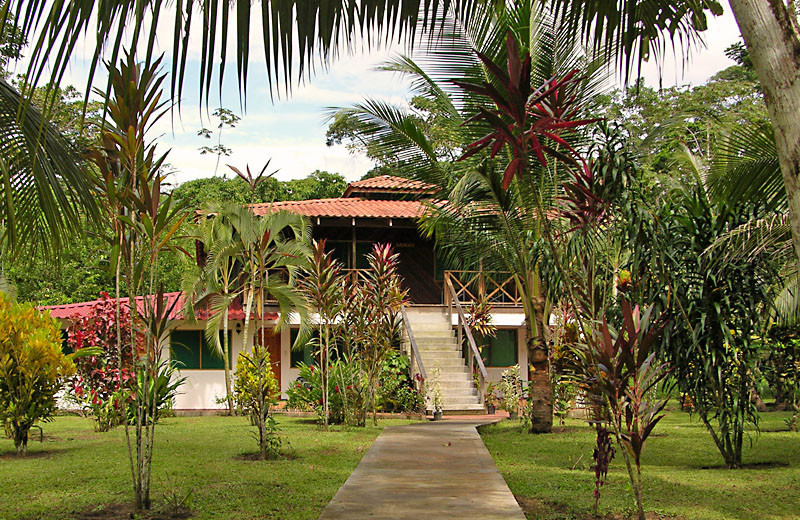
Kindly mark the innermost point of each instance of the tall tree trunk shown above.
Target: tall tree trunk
(227, 362)
(541, 392)
(770, 31)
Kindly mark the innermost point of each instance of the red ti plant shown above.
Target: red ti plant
(528, 121)
(99, 383)
(624, 370)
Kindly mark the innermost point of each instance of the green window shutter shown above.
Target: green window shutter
(65, 348)
(304, 354)
(362, 250)
(185, 347)
(339, 251)
(212, 360)
(503, 348)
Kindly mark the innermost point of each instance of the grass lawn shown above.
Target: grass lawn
(681, 472)
(76, 470)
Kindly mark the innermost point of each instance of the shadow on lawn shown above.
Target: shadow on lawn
(127, 511)
(535, 508)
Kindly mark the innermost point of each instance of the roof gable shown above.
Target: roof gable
(350, 207)
(388, 184)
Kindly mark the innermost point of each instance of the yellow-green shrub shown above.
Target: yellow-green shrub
(246, 381)
(32, 368)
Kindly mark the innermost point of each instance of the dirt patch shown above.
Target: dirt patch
(333, 450)
(752, 465)
(256, 457)
(12, 455)
(127, 512)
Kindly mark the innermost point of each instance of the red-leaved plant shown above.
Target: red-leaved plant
(528, 121)
(99, 386)
(622, 367)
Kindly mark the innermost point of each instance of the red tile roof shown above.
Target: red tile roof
(388, 183)
(74, 311)
(346, 207)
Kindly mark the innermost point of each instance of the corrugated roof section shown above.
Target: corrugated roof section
(345, 207)
(174, 300)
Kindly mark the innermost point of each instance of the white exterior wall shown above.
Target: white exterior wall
(495, 373)
(508, 318)
(203, 387)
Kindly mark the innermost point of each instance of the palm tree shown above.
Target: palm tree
(484, 225)
(271, 248)
(249, 258)
(215, 284)
(294, 34)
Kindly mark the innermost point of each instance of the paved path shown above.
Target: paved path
(427, 470)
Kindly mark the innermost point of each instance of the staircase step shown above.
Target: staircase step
(421, 329)
(444, 364)
(435, 339)
(421, 319)
(468, 408)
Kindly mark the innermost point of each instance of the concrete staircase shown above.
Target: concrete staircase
(438, 346)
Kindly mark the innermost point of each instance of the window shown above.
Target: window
(501, 350)
(65, 347)
(191, 351)
(301, 355)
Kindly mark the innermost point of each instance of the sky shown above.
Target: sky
(291, 131)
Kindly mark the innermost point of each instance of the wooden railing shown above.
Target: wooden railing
(473, 354)
(355, 275)
(414, 356)
(499, 288)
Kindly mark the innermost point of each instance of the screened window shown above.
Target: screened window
(501, 350)
(301, 355)
(191, 351)
(65, 347)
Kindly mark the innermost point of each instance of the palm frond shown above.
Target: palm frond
(746, 169)
(637, 30)
(771, 235)
(296, 35)
(44, 188)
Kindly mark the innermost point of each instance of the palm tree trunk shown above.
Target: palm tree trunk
(541, 392)
(771, 33)
(227, 361)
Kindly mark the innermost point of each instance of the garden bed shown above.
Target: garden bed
(80, 472)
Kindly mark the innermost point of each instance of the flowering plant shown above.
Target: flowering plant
(101, 386)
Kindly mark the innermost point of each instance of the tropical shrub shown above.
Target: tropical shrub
(396, 391)
(32, 369)
(101, 381)
(720, 307)
(162, 387)
(347, 398)
(510, 388)
(252, 387)
(780, 368)
(255, 390)
(622, 368)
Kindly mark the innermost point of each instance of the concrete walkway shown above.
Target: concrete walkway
(427, 470)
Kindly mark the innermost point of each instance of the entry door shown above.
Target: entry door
(272, 340)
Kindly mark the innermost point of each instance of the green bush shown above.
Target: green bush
(32, 369)
(246, 382)
(162, 389)
(346, 390)
(396, 392)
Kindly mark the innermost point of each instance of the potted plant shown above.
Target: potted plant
(436, 393)
(511, 391)
(490, 399)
